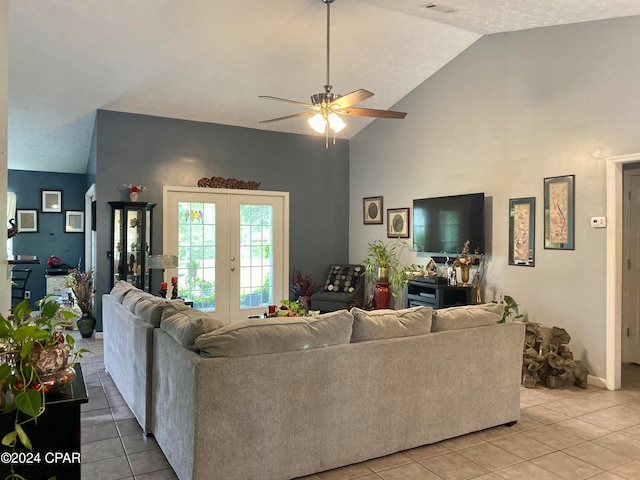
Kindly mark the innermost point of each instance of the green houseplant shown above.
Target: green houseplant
(383, 262)
(36, 357)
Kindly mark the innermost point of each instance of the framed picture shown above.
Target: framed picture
(27, 221)
(398, 223)
(51, 201)
(522, 237)
(74, 221)
(372, 210)
(559, 200)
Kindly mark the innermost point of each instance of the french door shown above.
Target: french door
(232, 248)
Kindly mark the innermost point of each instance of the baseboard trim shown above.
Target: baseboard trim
(597, 381)
(98, 336)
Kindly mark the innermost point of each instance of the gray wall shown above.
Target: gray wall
(155, 151)
(511, 110)
(51, 238)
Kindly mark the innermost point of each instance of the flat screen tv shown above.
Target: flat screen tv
(441, 225)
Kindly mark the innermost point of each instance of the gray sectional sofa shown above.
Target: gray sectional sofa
(287, 397)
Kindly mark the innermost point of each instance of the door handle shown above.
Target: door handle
(232, 268)
(233, 259)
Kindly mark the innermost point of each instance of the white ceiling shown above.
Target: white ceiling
(209, 60)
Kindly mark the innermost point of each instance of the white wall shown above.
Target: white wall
(509, 111)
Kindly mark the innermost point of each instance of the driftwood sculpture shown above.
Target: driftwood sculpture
(548, 360)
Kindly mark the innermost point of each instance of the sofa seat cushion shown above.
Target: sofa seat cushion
(186, 324)
(385, 323)
(120, 289)
(343, 278)
(456, 318)
(281, 334)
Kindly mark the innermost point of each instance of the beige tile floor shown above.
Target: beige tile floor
(569, 434)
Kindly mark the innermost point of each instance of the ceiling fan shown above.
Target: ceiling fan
(326, 107)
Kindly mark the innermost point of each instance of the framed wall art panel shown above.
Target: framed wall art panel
(559, 212)
(522, 238)
(398, 223)
(372, 210)
(27, 221)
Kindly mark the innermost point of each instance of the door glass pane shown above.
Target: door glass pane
(197, 253)
(256, 259)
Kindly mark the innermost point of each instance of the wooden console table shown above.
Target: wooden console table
(55, 438)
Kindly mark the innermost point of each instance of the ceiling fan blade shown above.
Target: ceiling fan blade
(302, 114)
(285, 100)
(371, 112)
(352, 98)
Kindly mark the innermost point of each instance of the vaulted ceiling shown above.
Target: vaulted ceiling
(209, 60)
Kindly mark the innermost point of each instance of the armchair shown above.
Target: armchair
(344, 287)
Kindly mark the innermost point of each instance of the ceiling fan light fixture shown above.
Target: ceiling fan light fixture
(335, 122)
(318, 123)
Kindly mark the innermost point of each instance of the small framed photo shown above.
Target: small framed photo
(372, 210)
(522, 238)
(74, 221)
(398, 223)
(559, 201)
(27, 221)
(51, 201)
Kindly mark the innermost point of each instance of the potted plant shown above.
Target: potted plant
(383, 263)
(83, 290)
(36, 357)
(304, 285)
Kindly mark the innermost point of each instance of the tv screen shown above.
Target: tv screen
(443, 224)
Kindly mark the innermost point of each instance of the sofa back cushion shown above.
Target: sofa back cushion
(343, 278)
(132, 297)
(280, 334)
(150, 308)
(379, 324)
(120, 289)
(456, 318)
(186, 324)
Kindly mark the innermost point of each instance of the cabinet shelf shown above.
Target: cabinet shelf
(131, 224)
(438, 295)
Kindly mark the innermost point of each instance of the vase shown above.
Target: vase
(464, 274)
(133, 196)
(304, 301)
(86, 324)
(382, 295)
(51, 365)
(383, 274)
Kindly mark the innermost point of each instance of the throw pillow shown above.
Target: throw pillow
(185, 325)
(343, 279)
(385, 323)
(280, 334)
(456, 318)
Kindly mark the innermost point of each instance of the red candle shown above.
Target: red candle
(174, 279)
(163, 286)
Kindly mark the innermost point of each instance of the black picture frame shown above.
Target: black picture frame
(51, 201)
(522, 232)
(372, 210)
(27, 220)
(398, 223)
(559, 213)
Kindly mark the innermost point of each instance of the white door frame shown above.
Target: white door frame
(89, 234)
(614, 167)
(166, 221)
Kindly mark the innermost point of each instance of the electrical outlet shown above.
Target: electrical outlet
(27, 294)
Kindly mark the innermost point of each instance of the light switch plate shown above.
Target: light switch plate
(599, 222)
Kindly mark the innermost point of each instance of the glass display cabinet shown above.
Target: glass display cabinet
(131, 224)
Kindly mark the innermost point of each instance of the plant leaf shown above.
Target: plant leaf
(29, 402)
(50, 308)
(5, 371)
(24, 438)
(10, 439)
